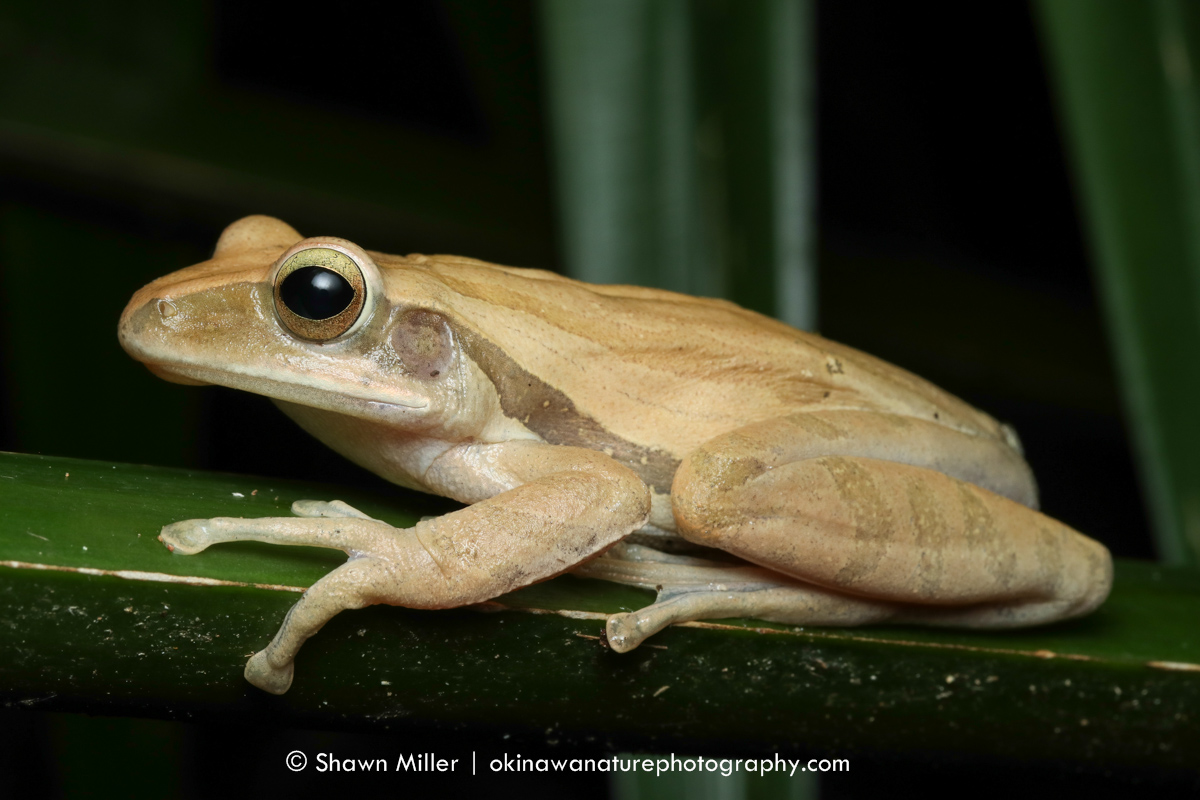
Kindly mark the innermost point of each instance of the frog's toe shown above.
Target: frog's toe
(624, 632)
(270, 679)
(187, 537)
(320, 508)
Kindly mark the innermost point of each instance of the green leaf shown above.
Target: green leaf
(98, 616)
(682, 146)
(1131, 119)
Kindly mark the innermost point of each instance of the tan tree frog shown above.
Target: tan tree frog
(735, 464)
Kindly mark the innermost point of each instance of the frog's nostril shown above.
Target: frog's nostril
(166, 309)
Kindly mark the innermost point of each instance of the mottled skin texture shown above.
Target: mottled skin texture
(584, 422)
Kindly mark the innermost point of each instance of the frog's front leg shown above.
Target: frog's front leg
(551, 507)
(321, 508)
(358, 583)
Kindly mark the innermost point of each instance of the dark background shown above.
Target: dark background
(948, 238)
(949, 242)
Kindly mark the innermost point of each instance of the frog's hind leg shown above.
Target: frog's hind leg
(945, 550)
(697, 589)
(691, 588)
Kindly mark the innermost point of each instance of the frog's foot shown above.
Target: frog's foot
(691, 588)
(320, 508)
(792, 604)
(275, 680)
(800, 604)
(187, 537)
(355, 584)
(626, 631)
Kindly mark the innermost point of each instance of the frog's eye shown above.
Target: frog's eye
(319, 293)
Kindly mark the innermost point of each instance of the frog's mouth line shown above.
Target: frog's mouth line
(170, 376)
(346, 402)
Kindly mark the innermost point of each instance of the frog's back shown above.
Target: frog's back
(662, 370)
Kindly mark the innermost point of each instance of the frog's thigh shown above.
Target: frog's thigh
(887, 531)
(983, 460)
(358, 583)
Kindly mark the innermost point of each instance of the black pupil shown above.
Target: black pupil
(316, 293)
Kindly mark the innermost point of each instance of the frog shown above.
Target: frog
(733, 464)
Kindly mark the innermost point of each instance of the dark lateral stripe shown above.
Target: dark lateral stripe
(550, 414)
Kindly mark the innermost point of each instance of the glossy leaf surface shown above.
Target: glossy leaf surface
(98, 616)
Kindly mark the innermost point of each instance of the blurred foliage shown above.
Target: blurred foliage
(1131, 113)
(682, 136)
